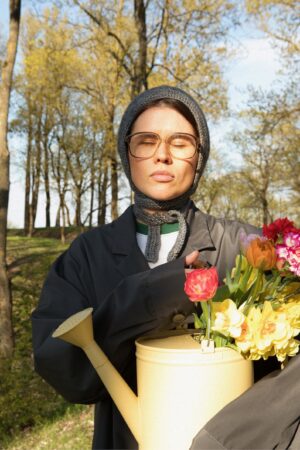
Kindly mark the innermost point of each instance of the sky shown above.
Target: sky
(256, 64)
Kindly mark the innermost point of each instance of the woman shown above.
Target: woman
(132, 270)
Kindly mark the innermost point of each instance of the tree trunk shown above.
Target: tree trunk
(92, 184)
(27, 175)
(64, 191)
(47, 184)
(114, 186)
(6, 328)
(91, 206)
(63, 218)
(68, 215)
(99, 190)
(77, 206)
(265, 211)
(36, 170)
(140, 78)
(111, 152)
(102, 188)
(61, 182)
(57, 219)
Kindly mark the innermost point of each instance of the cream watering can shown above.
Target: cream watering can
(179, 387)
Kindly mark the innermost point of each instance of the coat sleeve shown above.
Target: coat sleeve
(138, 303)
(266, 416)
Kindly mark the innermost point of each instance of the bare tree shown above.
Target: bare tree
(60, 174)
(36, 175)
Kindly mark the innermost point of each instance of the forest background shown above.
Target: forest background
(79, 64)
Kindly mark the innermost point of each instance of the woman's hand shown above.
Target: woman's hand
(190, 260)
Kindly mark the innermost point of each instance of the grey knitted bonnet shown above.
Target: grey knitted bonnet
(170, 210)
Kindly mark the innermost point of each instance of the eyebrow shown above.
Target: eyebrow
(168, 134)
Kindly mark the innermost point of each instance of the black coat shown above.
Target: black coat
(104, 268)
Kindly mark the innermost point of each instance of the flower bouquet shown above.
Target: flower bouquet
(257, 309)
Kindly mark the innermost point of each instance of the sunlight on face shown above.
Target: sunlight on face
(162, 177)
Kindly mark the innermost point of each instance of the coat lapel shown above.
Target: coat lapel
(131, 259)
(199, 234)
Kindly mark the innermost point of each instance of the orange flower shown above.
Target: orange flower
(261, 254)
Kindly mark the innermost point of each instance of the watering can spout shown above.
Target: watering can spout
(78, 330)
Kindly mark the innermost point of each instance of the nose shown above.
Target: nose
(162, 153)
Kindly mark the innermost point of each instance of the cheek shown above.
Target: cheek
(136, 170)
(194, 164)
(186, 171)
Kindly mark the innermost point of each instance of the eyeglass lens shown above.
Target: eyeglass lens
(181, 145)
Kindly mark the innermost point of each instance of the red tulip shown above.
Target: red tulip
(201, 284)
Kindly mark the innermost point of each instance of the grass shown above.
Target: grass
(29, 260)
(72, 432)
(32, 414)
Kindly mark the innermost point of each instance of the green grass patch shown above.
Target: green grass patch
(71, 432)
(52, 232)
(26, 401)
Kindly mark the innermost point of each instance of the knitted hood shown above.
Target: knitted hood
(132, 112)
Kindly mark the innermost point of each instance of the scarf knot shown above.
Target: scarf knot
(154, 221)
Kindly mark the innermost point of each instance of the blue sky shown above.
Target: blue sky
(256, 64)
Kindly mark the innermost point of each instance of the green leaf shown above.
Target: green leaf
(238, 270)
(197, 321)
(220, 341)
(245, 278)
(233, 346)
(228, 280)
(237, 297)
(221, 294)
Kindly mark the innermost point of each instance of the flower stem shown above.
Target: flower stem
(208, 320)
(257, 285)
(206, 307)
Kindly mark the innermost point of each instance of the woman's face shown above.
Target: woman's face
(162, 177)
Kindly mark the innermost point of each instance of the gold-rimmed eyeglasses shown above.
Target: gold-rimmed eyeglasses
(180, 145)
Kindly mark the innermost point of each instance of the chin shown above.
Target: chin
(162, 196)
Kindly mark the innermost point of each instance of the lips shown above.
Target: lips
(162, 176)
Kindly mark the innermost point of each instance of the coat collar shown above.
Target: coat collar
(199, 233)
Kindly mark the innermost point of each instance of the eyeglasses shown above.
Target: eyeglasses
(180, 145)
